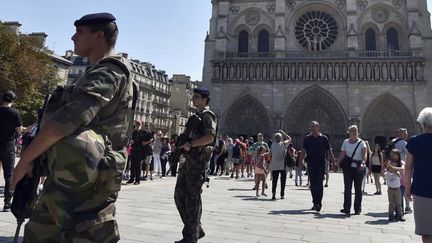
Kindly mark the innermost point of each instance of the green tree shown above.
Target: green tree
(26, 70)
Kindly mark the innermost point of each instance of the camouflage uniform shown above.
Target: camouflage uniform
(85, 167)
(191, 176)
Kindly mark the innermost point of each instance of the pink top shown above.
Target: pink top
(259, 167)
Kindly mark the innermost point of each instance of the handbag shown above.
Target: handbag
(347, 161)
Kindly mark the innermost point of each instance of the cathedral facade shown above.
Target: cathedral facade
(279, 64)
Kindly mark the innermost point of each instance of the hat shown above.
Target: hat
(9, 96)
(203, 91)
(95, 18)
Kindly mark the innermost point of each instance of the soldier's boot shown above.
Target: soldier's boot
(201, 233)
(7, 207)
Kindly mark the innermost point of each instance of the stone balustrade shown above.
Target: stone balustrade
(362, 66)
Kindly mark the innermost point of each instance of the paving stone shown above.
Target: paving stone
(233, 214)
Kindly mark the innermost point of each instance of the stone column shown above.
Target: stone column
(280, 37)
(352, 31)
(222, 27)
(415, 38)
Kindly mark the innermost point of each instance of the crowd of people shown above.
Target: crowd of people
(401, 165)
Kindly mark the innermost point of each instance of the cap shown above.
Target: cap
(203, 91)
(9, 96)
(95, 18)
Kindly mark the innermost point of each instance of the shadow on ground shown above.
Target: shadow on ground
(382, 221)
(331, 215)
(4, 239)
(240, 189)
(378, 222)
(293, 212)
(254, 198)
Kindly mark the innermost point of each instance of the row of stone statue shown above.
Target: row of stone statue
(395, 71)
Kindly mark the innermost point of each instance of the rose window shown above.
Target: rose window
(316, 30)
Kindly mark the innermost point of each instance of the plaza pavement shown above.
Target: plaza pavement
(232, 214)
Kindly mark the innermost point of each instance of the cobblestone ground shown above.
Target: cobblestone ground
(232, 213)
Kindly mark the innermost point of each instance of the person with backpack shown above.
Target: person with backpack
(352, 161)
(400, 143)
(84, 133)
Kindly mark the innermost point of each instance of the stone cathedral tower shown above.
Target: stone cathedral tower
(279, 64)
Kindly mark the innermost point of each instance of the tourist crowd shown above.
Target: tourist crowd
(403, 165)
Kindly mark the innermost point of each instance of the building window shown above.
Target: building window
(392, 39)
(263, 41)
(243, 42)
(370, 40)
(316, 30)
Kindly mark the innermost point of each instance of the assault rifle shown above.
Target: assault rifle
(191, 124)
(26, 191)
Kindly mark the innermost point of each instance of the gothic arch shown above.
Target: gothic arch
(401, 33)
(384, 116)
(362, 35)
(247, 116)
(316, 104)
(394, 18)
(239, 19)
(240, 28)
(263, 27)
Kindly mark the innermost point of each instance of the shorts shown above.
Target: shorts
(422, 215)
(260, 177)
(148, 161)
(376, 169)
(236, 161)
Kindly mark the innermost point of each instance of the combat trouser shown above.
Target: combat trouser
(187, 197)
(42, 227)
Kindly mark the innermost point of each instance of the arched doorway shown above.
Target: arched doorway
(384, 116)
(316, 104)
(247, 116)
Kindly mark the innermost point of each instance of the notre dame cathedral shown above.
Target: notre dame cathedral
(279, 64)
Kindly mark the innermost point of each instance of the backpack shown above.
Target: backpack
(290, 158)
(390, 146)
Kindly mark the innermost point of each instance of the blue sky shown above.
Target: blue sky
(168, 33)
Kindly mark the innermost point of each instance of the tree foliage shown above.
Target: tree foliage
(26, 70)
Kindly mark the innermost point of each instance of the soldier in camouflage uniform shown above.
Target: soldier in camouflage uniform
(191, 175)
(84, 133)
